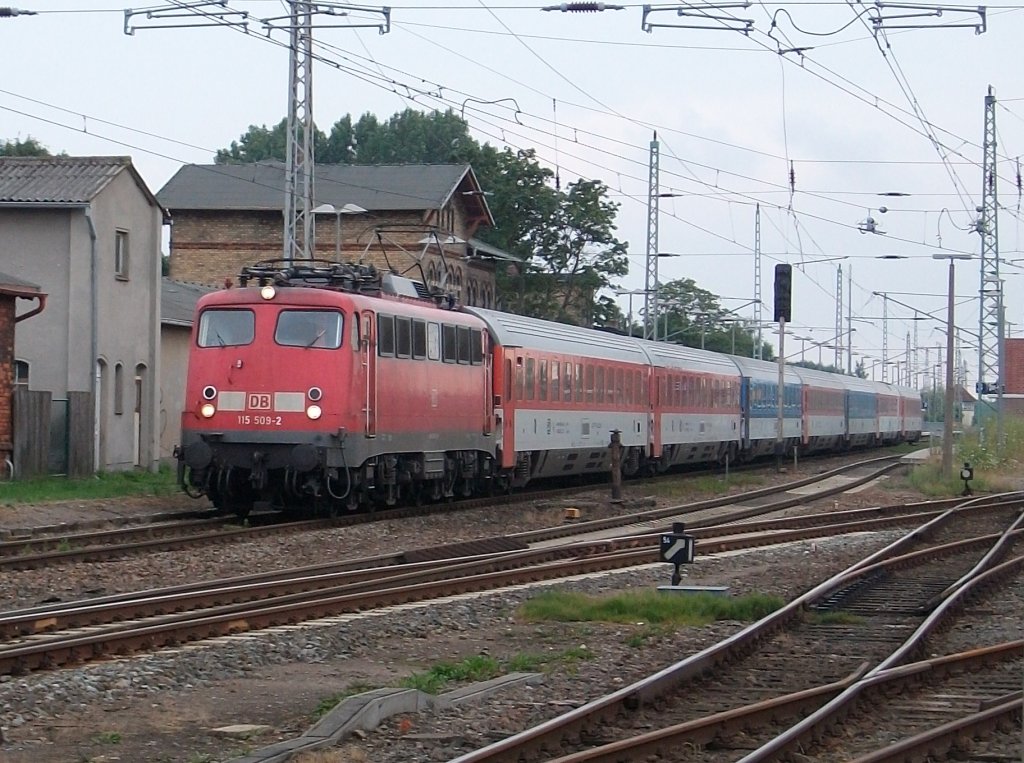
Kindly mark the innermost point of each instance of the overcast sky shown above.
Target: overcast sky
(855, 115)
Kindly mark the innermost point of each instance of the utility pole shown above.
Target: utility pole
(651, 279)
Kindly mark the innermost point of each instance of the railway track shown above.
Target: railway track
(101, 545)
(745, 697)
(70, 633)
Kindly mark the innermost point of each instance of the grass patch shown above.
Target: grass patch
(483, 667)
(832, 618)
(107, 737)
(329, 703)
(647, 608)
(101, 485)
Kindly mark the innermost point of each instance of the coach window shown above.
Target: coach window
(520, 379)
(433, 341)
(449, 346)
(567, 383)
(588, 384)
(419, 339)
(542, 381)
(598, 385)
(579, 382)
(462, 332)
(386, 335)
(224, 328)
(556, 386)
(531, 366)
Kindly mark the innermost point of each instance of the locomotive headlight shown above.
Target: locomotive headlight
(207, 410)
(314, 412)
(268, 292)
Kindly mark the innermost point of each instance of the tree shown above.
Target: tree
(859, 370)
(28, 147)
(692, 316)
(576, 254)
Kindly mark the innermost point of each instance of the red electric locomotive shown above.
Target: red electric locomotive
(334, 385)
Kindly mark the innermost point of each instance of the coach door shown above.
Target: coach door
(368, 340)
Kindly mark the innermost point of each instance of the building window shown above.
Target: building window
(118, 389)
(121, 254)
(21, 373)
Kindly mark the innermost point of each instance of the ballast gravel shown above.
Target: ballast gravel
(163, 707)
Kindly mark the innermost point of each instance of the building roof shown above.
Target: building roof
(178, 301)
(482, 250)
(61, 180)
(261, 186)
(13, 283)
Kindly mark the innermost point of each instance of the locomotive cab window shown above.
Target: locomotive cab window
(309, 328)
(225, 328)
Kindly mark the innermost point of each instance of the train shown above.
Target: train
(336, 387)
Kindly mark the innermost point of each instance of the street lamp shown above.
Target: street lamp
(947, 416)
(345, 209)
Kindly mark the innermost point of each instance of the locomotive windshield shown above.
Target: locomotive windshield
(309, 328)
(223, 328)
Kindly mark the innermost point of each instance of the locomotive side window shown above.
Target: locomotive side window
(224, 328)
(476, 347)
(403, 337)
(309, 328)
(462, 332)
(419, 339)
(355, 333)
(449, 346)
(433, 341)
(386, 335)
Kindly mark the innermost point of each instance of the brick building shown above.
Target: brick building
(418, 220)
(11, 290)
(1013, 398)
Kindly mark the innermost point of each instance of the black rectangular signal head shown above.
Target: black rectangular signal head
(783, 292)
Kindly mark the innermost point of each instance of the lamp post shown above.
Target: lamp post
(345, 209)
(947, 415)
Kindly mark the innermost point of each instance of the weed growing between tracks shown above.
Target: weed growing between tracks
(648, 608)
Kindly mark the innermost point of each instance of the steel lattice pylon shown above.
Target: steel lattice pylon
(991, 284)
(298, 182)
(651, 279)
(757, 280)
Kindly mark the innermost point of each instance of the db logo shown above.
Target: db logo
(259, 401)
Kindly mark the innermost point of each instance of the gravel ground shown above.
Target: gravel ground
(164, 707)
